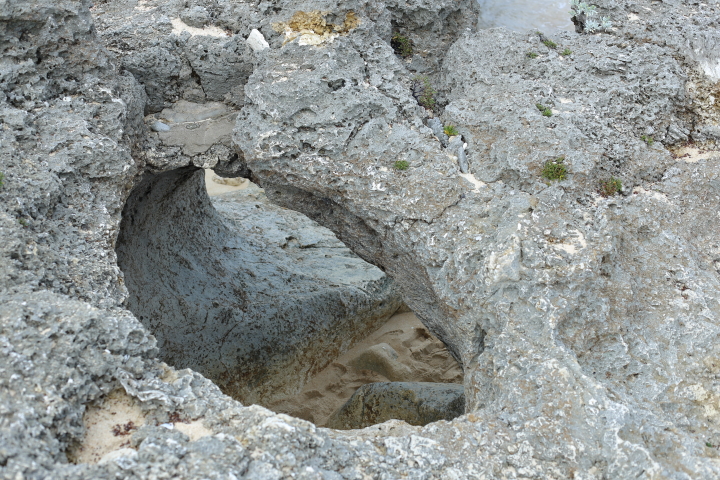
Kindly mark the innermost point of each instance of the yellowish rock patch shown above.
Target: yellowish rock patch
(312, 28)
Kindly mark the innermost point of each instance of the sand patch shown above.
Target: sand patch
(403, 349)
(691, 154)
(108, 427)
(180, 27)
(194, 429)
(217, 185)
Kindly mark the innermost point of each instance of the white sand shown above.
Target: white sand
(691, 154)
(107, 427)
(420, 358)
(180, 27)
(217, 185)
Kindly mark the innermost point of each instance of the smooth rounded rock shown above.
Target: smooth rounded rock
(417, 403)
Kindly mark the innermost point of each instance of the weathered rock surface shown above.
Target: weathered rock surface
(253, 296)
(587, 326)
(416, 403)
(558, 302)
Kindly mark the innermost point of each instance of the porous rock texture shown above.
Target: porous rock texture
(587, 326)
(417, 403)
(255, 297)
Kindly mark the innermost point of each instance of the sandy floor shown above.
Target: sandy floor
(402, 350)
(109, 425)
(217, 185)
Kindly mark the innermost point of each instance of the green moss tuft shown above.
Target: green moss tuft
(545, 110)
(401, 165)
(610, 187)
(450, 130)
(555, 169)
(424, 92)
(401, 45)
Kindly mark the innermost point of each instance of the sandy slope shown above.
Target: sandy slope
(420, 358)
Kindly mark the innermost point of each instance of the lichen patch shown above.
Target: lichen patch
(313, 28)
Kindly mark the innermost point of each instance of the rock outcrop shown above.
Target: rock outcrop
(557, 296)
(587, 324)
(416, 403)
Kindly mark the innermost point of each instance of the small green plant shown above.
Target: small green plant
(23, 222)
(2, 177)
(450, 131)
(401, 165)
(555, 169)
(581, 14)
(545, 110)
(610, 187)
(423, 92)
(566, 52)
(531, 54)
(550, 44)
(402, 45)
(647, 139)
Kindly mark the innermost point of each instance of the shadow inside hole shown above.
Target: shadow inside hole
(258, 298)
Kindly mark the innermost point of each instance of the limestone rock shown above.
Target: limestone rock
(256, 41)
(587, 326)
(231, 182)
(197, 16)
(557, 301)
(196, 127)
(417, 403)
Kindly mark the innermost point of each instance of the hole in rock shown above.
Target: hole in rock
(274, 309)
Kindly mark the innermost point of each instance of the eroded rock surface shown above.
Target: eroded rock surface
(587, 326)
(557, 300)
